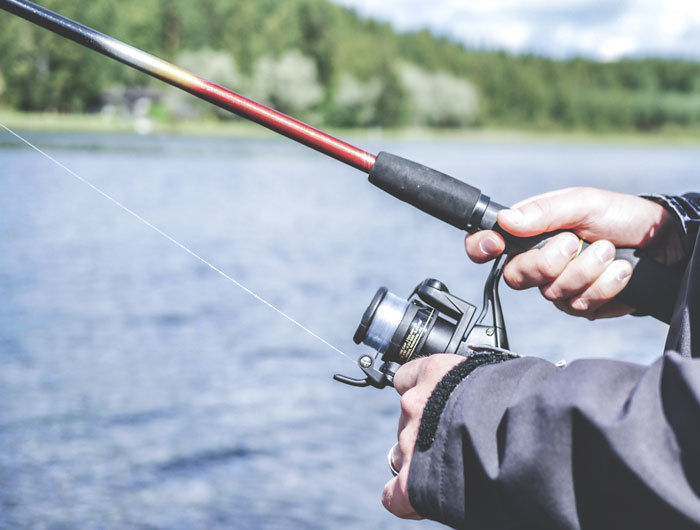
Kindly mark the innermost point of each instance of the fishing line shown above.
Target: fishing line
(176, 242)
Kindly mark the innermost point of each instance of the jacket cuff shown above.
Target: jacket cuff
(686, 214)
(443, 390)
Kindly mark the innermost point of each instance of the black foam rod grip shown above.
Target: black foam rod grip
(437, 194)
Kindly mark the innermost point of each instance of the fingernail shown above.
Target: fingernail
(513, 217)
(623, 274)
(569, 246)
(605, 252)
(489, 247)
(580, 304)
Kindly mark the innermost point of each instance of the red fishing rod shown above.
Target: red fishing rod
(444, 197)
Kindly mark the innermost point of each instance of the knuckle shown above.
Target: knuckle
(410, 403)
(551, 292)
(402, 378)
(513, 278)
(579, 194)
(406, 403)
(541, 206)
(547, 268)
(586, 193)
(430, 362)
(432, 365)
(588, 196)
(423, 369)
(430, 368)
(598, 292)
(438, 365)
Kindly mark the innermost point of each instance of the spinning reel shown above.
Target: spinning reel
(431, 320)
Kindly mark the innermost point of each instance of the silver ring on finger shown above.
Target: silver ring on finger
(390, 459)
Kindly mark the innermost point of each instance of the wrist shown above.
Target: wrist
(664, 242)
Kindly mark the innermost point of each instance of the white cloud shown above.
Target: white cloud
(603, 29)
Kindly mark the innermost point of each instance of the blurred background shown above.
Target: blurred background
(582, 64)
(138, 388)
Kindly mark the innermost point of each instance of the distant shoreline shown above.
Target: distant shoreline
(97, 123)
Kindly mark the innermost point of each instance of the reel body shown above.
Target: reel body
(431, 320)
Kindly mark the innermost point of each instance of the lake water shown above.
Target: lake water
(139, 389)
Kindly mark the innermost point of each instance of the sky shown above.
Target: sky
(601, 29)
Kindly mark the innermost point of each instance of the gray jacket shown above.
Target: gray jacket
(597, 444)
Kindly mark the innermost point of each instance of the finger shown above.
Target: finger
(580, 273)
(405, 417)
(407, 441)
(407, 376)
(484, 246)
(403, 421)
(561, 209)
(612, 309)
(412, 403)
(541, 266)
(563, 306)
(542, 196)
(395, 497)
(611, 281)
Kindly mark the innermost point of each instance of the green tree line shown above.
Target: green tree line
(320, 61)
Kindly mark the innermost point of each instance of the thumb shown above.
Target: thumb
(544, 213)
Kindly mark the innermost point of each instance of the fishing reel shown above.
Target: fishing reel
(431, 320)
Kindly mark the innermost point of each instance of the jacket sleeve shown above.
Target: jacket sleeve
(597, 444)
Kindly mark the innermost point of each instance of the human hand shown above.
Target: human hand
(585, 286)
(415, 382)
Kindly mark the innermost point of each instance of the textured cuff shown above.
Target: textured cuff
(443, 390)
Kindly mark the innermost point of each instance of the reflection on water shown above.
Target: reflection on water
(139, 388)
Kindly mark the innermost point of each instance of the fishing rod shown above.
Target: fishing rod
(442, 196)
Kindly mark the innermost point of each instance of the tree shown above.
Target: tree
(354, 103)
(438, 99)
(288, 83)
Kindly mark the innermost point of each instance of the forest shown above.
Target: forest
(325, 63)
